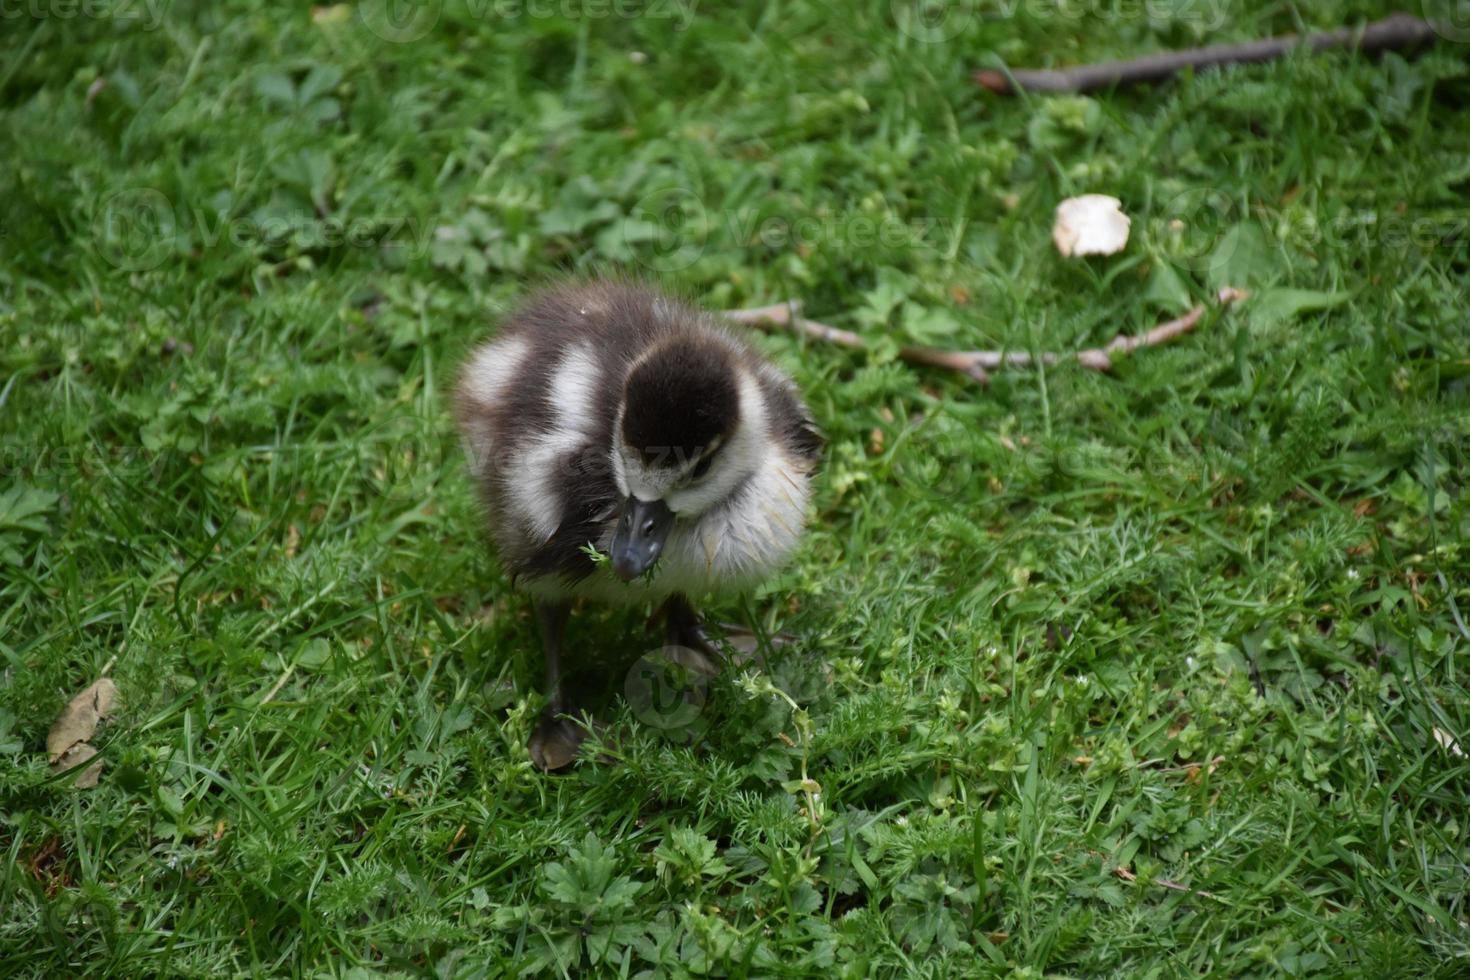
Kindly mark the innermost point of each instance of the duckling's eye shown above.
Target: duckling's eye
(695, 472)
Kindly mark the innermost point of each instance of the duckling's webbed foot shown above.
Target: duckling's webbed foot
(746, 644)
(558, 736)
(556, 741)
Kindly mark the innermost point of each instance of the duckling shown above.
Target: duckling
(630, 448)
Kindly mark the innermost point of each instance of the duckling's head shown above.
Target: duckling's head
(685, 441)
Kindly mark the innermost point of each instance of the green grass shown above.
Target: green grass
(242, 252)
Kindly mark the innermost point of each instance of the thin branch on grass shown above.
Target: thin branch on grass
(276, 687)
(1213, 764)
(1173, 886)
(1127, 875)
(1392, 33)
(978, 364)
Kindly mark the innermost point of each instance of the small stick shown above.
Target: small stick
(1395, 32)
(977, 364)
(1173, 886)
(1213, 764)
(276, 687)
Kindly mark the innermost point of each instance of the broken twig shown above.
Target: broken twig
(978, 364)
(1391, 33)
(1122, 871)
(1173, 886)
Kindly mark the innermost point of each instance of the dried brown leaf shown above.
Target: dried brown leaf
(75, 756)
(78, 720)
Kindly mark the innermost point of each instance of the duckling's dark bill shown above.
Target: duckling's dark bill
(638, 540)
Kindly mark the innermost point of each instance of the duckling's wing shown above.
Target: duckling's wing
(589, 503)
(791, 421)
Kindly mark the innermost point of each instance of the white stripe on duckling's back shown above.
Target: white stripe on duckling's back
(538, 474)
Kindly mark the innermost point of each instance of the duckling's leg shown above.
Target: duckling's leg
(682, 628)
(557, 736)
